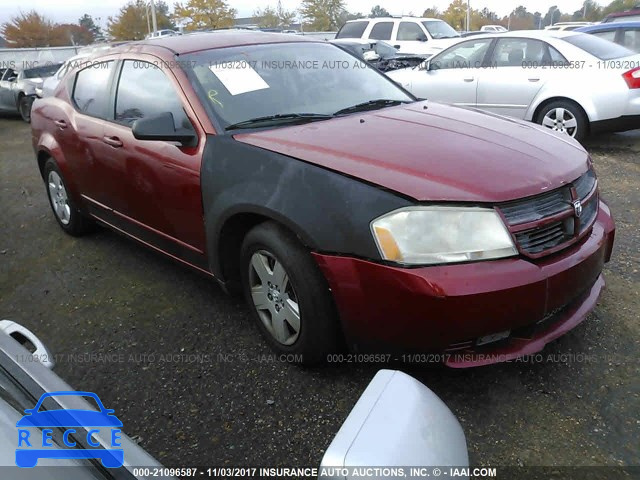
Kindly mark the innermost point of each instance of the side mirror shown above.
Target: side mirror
(161, 127)
(426, 65)
(396, 422)
(422, 39)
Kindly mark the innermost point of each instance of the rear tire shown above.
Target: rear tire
(288, 296)
(70, 219)
(24, 106)
(564, 116)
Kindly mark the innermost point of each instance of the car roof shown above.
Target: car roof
(197, 41)
(537, 34)
(377, 19)
(608, 26)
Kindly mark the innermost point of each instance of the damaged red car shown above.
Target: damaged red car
(349, 213)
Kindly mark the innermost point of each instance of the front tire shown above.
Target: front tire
(288, 296)
(67, 214)
(24, 106)
(566, 117)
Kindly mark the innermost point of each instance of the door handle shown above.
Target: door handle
(469, 79)
(115, 142)
(534, 79)
(61, 124)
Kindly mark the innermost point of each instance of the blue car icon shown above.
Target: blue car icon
(68, 419)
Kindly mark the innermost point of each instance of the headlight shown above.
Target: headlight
(429, 235)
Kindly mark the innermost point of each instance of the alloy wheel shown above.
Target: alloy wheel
(561, 120)
(274, 297)
(59, 198)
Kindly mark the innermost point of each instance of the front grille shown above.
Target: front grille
(536, 208)
(537, 240)
(555, 218)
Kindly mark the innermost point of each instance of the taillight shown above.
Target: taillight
(632, 77)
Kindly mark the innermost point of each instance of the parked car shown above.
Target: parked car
(379, 54)
(345, 210)
(408, 34)
(162, 33)
(569, 82)
(18, 88)
(568, 26)
(626, 34)
(386, 427)
(493, 28)
(631, 15)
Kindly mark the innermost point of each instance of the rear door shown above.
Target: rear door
(80, 134)
(518, 69)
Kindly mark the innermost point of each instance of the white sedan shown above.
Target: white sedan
(567, 81)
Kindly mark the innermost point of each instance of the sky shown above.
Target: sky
(69, 11)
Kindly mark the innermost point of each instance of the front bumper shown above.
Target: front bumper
(447, 308)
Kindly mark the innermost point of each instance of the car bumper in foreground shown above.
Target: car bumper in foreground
(456, 309)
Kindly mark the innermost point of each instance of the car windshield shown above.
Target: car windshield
(440, 29)
(598, 47)
(42, 72)
(248, 82)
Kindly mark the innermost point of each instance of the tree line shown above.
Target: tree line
(133, 20)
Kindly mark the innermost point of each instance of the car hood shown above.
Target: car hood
(434, 152)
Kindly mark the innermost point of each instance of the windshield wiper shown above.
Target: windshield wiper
(279, 118)
(370, 105)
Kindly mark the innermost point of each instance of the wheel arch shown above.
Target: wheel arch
(225, 258)
(534, 111)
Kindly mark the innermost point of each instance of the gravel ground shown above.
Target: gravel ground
(189, 375)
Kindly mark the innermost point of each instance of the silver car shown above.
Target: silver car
(396, 422)
(567, 81)
(18, 88)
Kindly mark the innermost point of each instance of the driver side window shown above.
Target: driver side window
(465, 55)
(145, 91)
(410, 32)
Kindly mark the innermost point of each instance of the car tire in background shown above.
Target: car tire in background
(24, 107)
(564, 116)
(70, 219)
(280, 279)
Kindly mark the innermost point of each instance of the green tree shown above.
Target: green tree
(456, 14)
(87, 22)
(323, 15)
(270, 17)
(132, 22)
(378, 11)
(618, 6)
(266, 17)
(433, 12)
(205, 14)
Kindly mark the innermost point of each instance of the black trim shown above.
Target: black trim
(328, 211)
(620, 124)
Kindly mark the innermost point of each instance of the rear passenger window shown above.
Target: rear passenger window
(91, 90)
(608, 35)
(145, 91)
(352, 30)
(410, 32)
(381, 31)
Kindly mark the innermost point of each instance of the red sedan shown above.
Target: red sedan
(347, 211)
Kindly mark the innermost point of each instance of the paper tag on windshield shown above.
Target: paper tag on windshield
(238, 77)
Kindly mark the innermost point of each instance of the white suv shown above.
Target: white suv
(407, 34)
